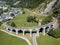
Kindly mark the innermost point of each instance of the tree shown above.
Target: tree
(54, 33)
(12, 14)
(47, 19)
(31, 19)
(13, 24)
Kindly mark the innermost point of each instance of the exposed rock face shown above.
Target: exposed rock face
(49, 6)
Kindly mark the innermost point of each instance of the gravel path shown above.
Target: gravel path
(34, 39)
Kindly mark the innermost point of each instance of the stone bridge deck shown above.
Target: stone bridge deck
(37, 29)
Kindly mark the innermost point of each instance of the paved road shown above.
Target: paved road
(17, 36)
(34, 39)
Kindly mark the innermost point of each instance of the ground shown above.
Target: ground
(47, 40)
(6, 39)
(21, 19)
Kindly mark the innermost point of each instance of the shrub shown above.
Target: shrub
(31, 19)
(12, 14)
(13, 24)
(56, 12)
(47, 20)
(54, 33)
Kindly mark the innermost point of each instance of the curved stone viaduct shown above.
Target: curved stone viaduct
(37, 29)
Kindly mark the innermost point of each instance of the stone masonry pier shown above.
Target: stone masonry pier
(37, 29)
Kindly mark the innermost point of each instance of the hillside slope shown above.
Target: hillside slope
(35, 5)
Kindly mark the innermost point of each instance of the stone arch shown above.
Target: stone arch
(47, 27)
(9, 29)
(41, 29)
(34, 32)
(20, 31)
(27, 31)
(6, 28)
(13, 30)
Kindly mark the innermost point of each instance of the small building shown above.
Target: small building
(1, 19)
(4, 7)
(16, 11)
(6, 16)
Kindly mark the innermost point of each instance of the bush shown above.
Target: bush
(31, 19)
(12, 14)
(54, 33)
(46, 20)
(56, 12)
(13, 24)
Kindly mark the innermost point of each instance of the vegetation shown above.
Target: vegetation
(21, 21)
(13, 24)
(47, 40)
(6, 39)
(9, 2)
(47, 20)
(31, 19)
(12, 14)
(56, 14)
(0, 23)
(27, 3)
(55, 33)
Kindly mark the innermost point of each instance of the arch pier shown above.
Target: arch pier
(37, 30)
(23, 32)
(43, 32)
(10, 31)
(43, 29)
(16, 31)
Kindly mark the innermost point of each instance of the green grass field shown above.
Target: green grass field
(47, 40)
(6, 39)
(21, 21)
